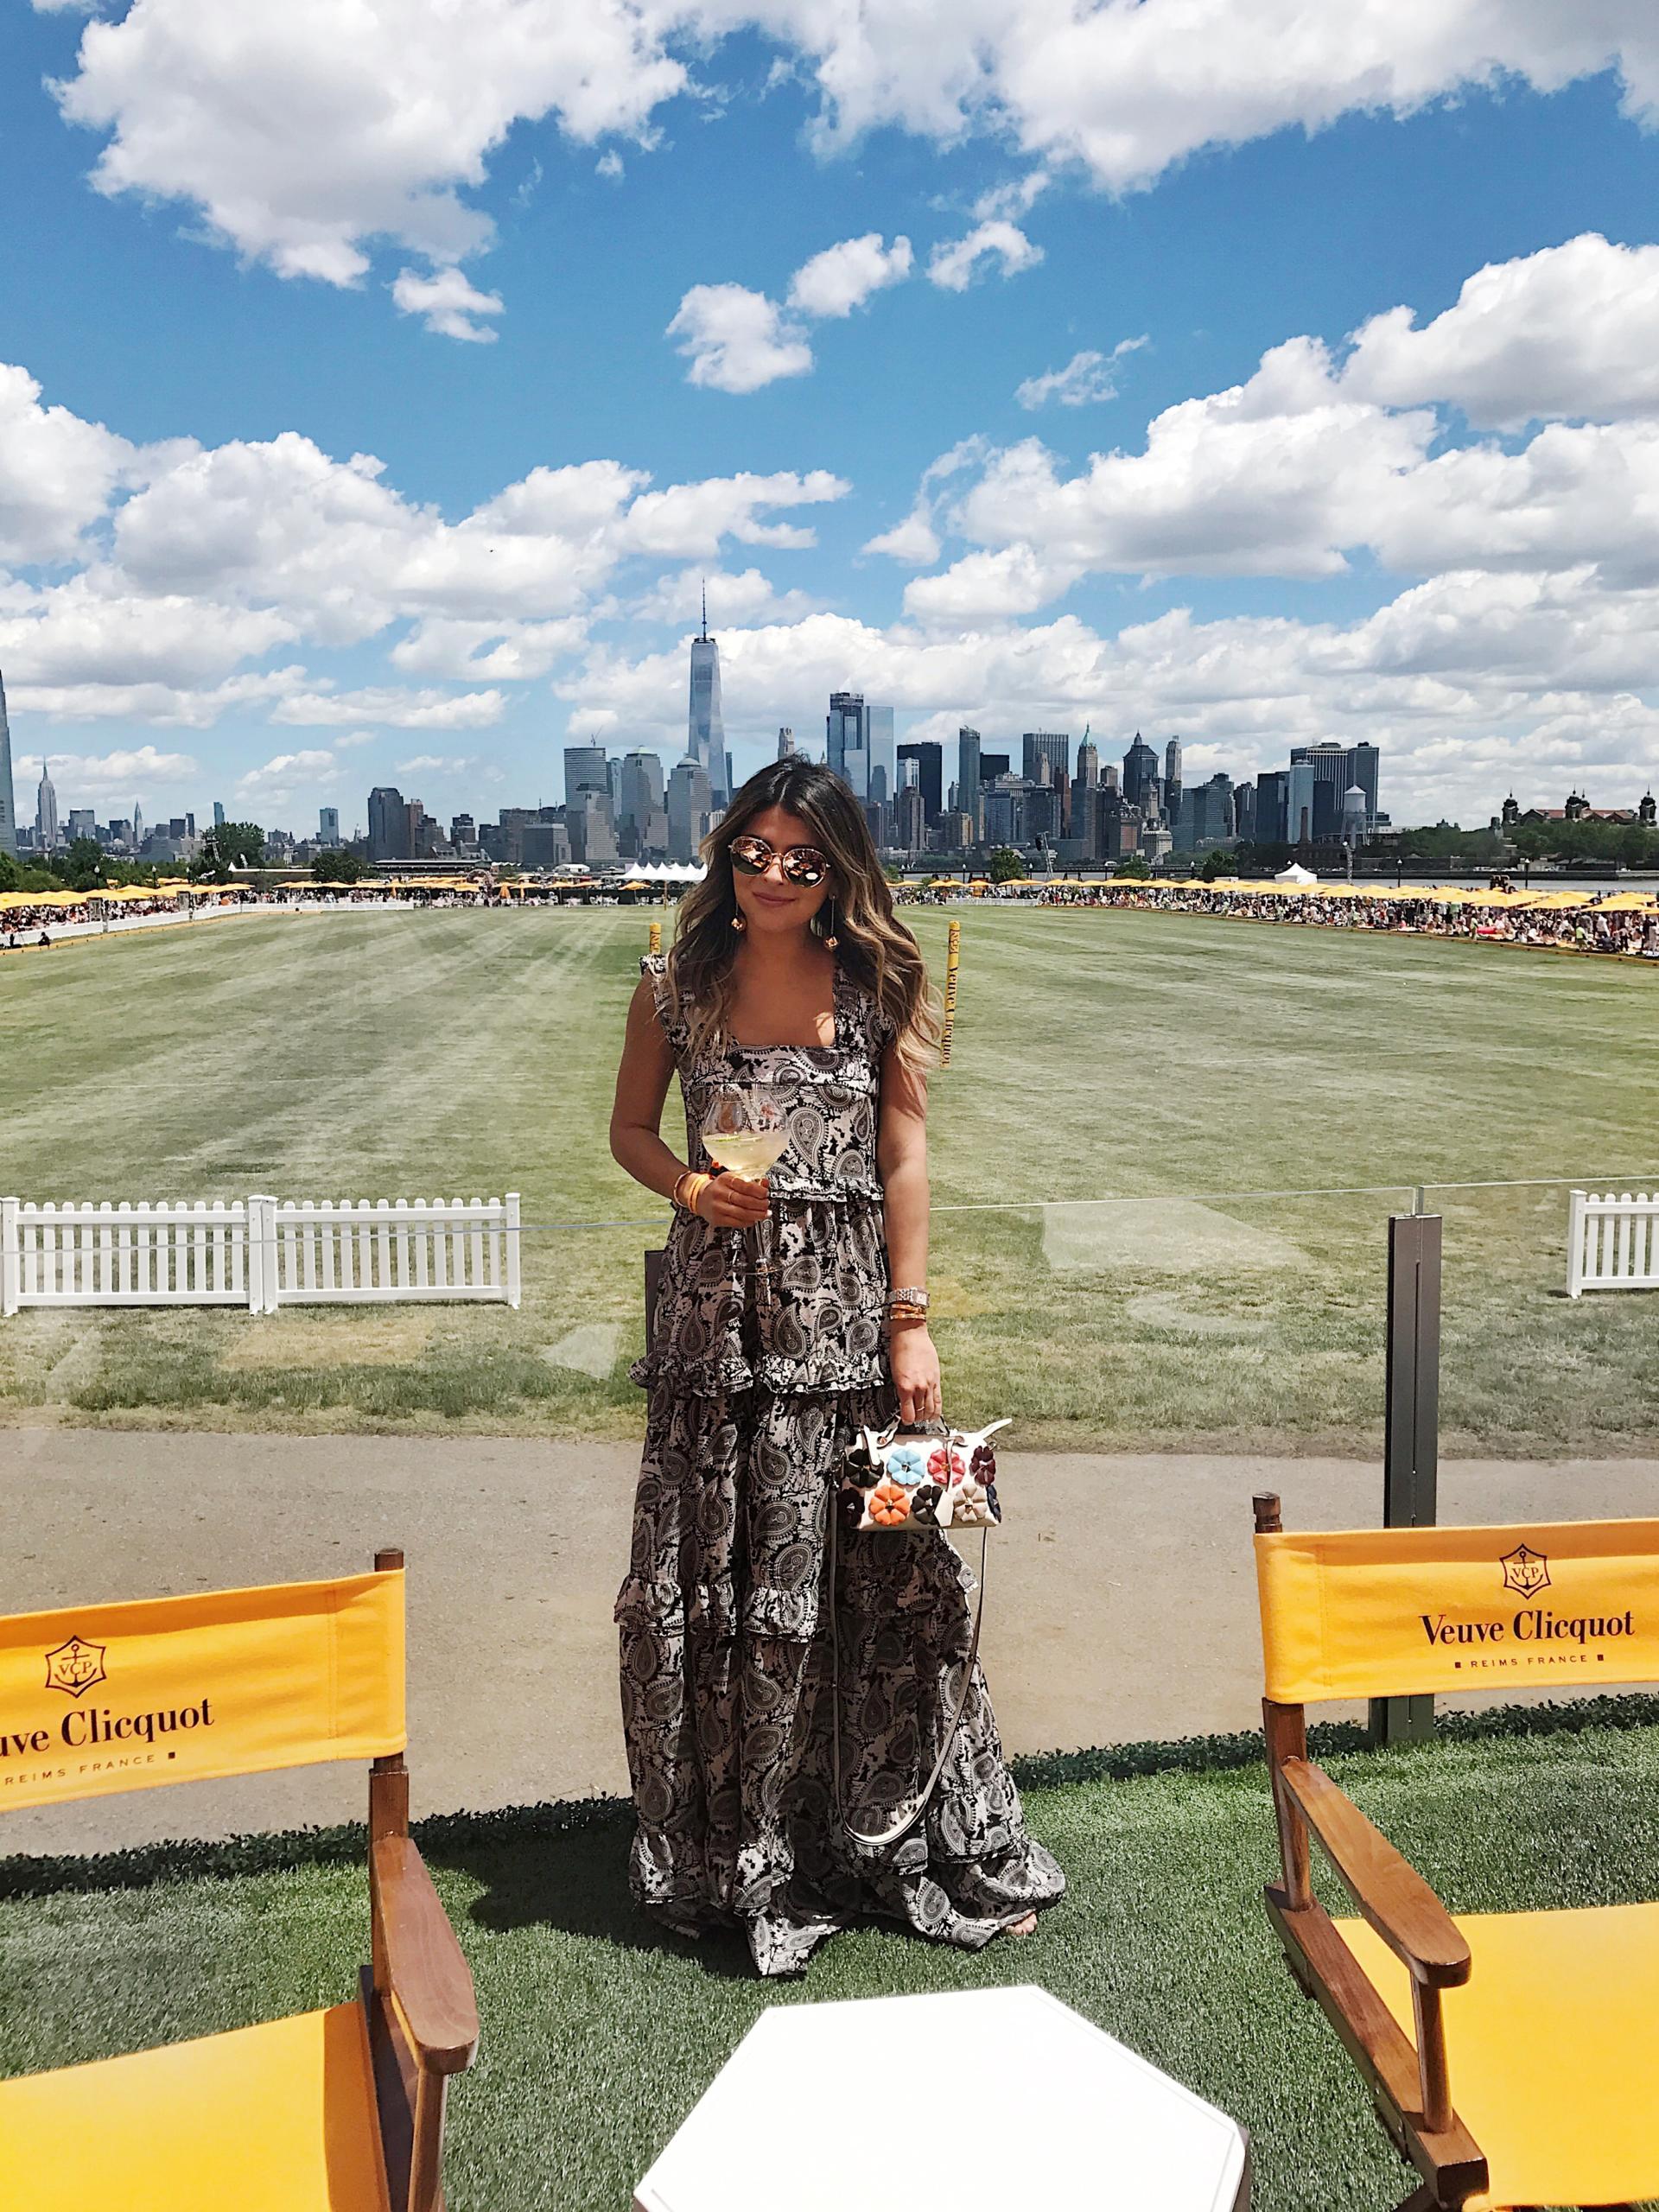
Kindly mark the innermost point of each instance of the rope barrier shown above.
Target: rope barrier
(1647, 1175)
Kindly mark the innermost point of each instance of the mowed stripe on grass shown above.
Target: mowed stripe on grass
(1097, 1055)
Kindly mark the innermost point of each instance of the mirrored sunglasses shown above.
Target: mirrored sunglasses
(803, 865)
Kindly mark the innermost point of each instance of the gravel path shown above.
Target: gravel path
(1121, 1602)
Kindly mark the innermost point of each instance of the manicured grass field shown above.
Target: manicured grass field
(598, 2038)
(1132, 1056)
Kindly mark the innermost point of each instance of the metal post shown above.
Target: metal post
(654, 1277)
(1411, 1453)
(10, 1256)
(511, 1239)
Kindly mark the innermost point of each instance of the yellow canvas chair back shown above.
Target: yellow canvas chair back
(1390, 1613)
(1442, 2014)
(336, 2111)
(97, 1699)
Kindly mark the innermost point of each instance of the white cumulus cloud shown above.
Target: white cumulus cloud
(913, 540)
(843, 276)
(955, 265)
(100, 774)
(1086, 377)
(736, 339)
(304, 134)
(1570, 331)
(58, 474)
(393, 710)
(274, 783)
(448, 303)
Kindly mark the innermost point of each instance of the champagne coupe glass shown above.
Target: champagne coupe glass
(746, 1131)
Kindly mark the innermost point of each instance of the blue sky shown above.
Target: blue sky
(561, 277)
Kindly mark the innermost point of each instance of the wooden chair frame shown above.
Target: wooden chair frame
(1410, 2087)
(417, 1994)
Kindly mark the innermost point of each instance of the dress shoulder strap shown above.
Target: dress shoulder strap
(867, 1026)
(653, 966)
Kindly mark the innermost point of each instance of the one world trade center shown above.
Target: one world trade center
(706, 732)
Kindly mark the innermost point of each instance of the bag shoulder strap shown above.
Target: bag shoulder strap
(902, 1828)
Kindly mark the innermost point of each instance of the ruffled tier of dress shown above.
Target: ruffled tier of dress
(823, 1331)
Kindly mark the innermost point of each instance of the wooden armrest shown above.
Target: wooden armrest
(430, 1983)
(1392, 1896)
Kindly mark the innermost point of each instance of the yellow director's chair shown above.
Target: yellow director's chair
(1513, 2057)
(336, 2111)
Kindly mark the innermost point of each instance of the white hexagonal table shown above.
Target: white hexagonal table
(980, 2100)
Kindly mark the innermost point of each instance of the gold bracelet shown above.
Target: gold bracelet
(688, 1187)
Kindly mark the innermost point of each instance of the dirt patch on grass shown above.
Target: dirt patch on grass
(1175, 1236)
(359, 1339)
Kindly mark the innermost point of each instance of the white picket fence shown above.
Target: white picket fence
(1612, 1241)
(259, 1253)
(332, 1253)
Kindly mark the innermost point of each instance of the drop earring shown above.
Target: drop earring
(829, 937)
(738, 923)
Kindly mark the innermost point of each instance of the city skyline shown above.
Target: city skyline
(1019, 399)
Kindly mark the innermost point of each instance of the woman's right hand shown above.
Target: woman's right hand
(729, 1202)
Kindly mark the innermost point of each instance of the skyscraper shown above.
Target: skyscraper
(1053, 746)
(968, 775)
(1362, 764)
(926, 756)
(785, 745)
(218, 814)
(46, 810)
(1319, 774)
(137, 827)
(884, 769)
(641, 788)
(1211, 811)
(389, 824)
(586, 769)
(328, 826)
(1172, 779)
(8, 803)
(1273, 807)
(847, 737)
(1140, 773)
(705, 738)
(691, 802)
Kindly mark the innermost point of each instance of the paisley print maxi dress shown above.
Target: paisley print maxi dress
(723, 1617)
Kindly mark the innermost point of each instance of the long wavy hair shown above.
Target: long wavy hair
(875, 947)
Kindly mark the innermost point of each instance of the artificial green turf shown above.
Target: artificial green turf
(1097, 1054)
(598, 2037)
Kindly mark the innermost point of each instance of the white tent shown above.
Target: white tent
(664, 872)
(1294, 873)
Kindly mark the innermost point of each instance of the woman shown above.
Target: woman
(789, 972)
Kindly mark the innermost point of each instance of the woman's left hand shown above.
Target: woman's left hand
(915, 1373)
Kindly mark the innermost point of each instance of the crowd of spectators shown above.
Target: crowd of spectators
(1621, 923)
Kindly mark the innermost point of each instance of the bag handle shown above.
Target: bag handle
(896, 1833)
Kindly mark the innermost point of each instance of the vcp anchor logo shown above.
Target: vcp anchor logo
(1525, 1571)
(75, 1667)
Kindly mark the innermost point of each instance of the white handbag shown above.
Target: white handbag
(903, 1482)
